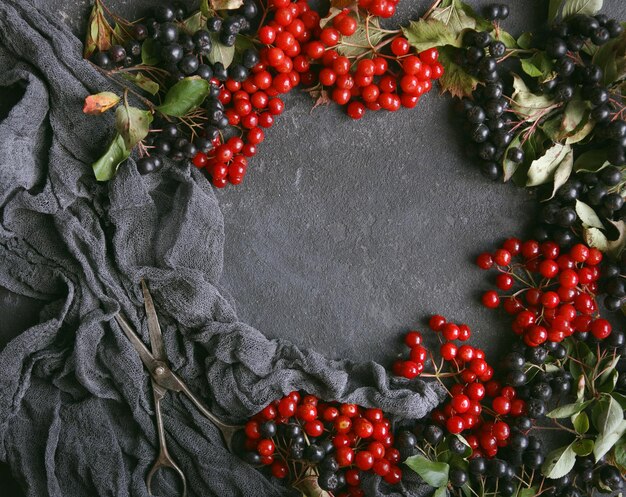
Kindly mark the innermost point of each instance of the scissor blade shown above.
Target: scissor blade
(145, 355)
(156, 337)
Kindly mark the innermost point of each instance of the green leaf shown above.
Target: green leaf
(609, 365)
(220, 52)
(106, 166)
(589, 7)
(132, 124)
(620, 398)
(193, 23)
(610, 418)
(611, 58)
(573, 116)
(568, 410)
(606, 441)
(559, 462)
(543, 169)
(562, 173)
(425, 34)
(553, 9)
(588, 216)
(362, 41)
(455, 80)
(591, 161)
(595, 238)
(433, 473)
(226, 4)
(441, 491)
(581, 422)
(583, 447)
(206, 9)
(506, 38)
(454, 18)
(525, 40)
(530, 106)
(184, 96)
(150, 52)
(527, 492)
(607, 385)
(538, 66)
(619, 454)
(142, 81)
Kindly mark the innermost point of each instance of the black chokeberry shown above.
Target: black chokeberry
(556, 48)
(492, 12)
(167, 33)
(314, 453)
(147, 165)
(250, 58)
(477, 466)
(458, 477)
(164, 13)
(204, 71)
(172, 54)
(238, 73)
(189, 64)
(600, 36)
(515, 155)
(614, 27)
(433, 434)
(103, 60)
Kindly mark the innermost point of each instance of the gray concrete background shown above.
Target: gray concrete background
(383, 219)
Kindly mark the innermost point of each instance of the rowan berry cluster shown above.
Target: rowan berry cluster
(301, 435)
(552, 294)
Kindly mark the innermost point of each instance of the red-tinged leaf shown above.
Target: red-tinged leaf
(455, 80)
(99, 31)
(100, 103)
(226, 4)
(321, 98)
(344, 4)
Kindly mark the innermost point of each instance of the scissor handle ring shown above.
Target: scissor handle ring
(164, 462)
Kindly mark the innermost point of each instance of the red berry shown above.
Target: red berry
(476, 391)
(450, 331)
(364, 460)
(501, 405)
(344, 456)
(363, 428)
(356, 110)
(484, 261)
(448, 351)
(377, 450)
(579, 252)
(394, 476)
(455, 424)
(460, 403)
(381, 467)
(265, 447)
(504, 281)
(436, 322)
(491, 299)
(502, 257)
(252, 430)
(279, 469)
(418, 354)
(400, 46)
(287, 407)
(413, 338)
(601, 328)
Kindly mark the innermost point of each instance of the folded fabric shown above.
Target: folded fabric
(76, 415)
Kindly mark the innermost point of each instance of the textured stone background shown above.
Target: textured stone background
(352, 232)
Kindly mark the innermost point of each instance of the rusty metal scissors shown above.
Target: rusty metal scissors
(164, 380)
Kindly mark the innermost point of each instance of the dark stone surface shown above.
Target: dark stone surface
(351, 232)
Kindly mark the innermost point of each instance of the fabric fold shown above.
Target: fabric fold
(76, 415)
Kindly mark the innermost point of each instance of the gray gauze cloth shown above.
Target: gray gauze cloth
(76, 411)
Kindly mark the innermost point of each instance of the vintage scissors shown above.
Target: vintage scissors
(164, 380)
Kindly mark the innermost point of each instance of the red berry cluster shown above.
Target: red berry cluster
(297, 50)
(380, 8)
(478, 405)
(551, 293)
(250, 107)
(355, 438)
